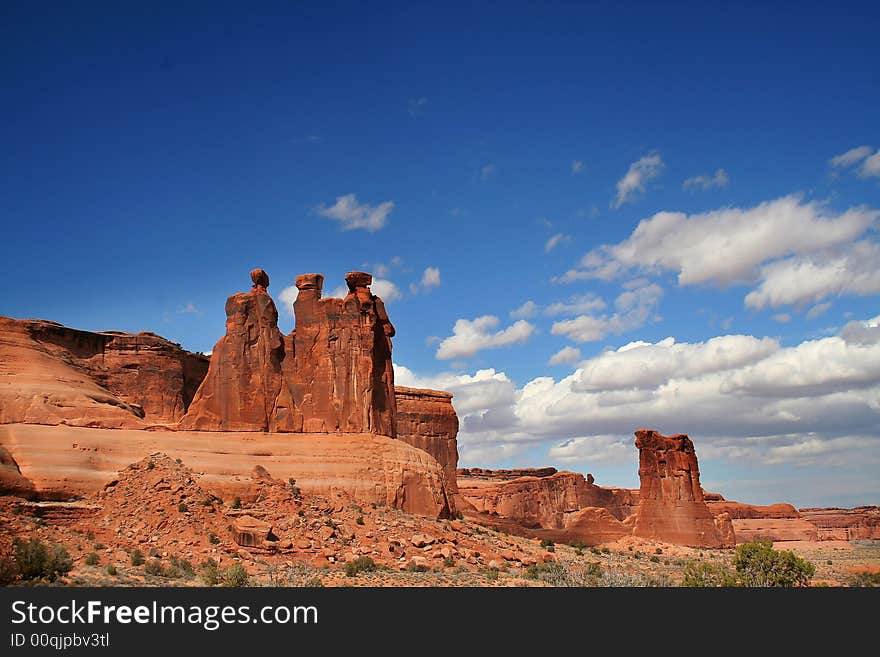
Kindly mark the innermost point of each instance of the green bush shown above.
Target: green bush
(111, 570)
(236, 502)
(658, 551)
(359, 565)
(90, 535)
(707, 575)
(359, 520)
(137, 557)
(209, 572)
(213, 538)
(37, 561)
(655, 558)
(92, 559)
(150, 465)
(546, 543)
(449, 562)
(758, 564)
(234, 576)
(182, 507)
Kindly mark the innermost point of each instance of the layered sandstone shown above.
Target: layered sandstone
(52, 374)
(341, 378)
(859, 523)
(427, 420)
(671, 506)
(561, 506)
(62, 462)
(244, 379)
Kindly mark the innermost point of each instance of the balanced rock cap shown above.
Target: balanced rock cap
(310, 282)
(356, 279)
(260, 278)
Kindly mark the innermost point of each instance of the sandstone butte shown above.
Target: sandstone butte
(319, 405)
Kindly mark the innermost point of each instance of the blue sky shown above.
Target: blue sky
(637, 172)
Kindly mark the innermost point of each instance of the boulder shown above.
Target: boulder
(247, 531)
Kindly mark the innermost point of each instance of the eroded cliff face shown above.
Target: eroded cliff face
(342, 379)
(52, 374)
(427, 420)
(333, 372)
(859, 523)
(244, 378)
(671, 504)
(562, 506)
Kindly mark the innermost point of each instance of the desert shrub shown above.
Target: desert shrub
(150, 465)
(179, 461)
(613, 578)
(546, 542)
(90, 535)
(209, 572)
(359, 565)
(449, 562)
(301, 575)
(606, 550)
(35, 560)
(658, 551)
(865, 579)
(829, 562)
(359, 520)
(459, 515)
(92, 559)
(182, 507)
(100, 546)
(137, 557)
(595, 550)
(758, 564)
(294, 489)
(562, 574)
(490, 574)
(8, 569)
(707, 575)
(234, 576)
(654, 559)
(155, 567)
(213, 538)
(111, 570)
(236, 502)
(578, 545)
(179, 568)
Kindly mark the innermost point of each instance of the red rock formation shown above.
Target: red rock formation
(427, 420)
(859, 523)
(740, 511)
(52, 374)
(544, 501)
(671, 506)
(241, 388)
(505, 475)
(12, 482)
(342, 379)
(64, 462)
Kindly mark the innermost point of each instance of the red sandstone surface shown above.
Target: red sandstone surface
(52, 374)
(427, 420)
(671, 505)
(859, 523)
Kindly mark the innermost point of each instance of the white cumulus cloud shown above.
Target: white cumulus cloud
(850, 158)
(525, 311)
(352, 214)
(555, 240)
(633, 309)
(472, 335)
(637, 176)
(565, 356)
(718, 179)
